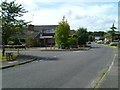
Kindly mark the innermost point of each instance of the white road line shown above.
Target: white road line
(112, 63)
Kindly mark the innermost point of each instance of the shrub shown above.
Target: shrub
(118, 45)
(10, 42)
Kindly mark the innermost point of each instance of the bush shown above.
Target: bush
(118, 45)
(10, 42)
(72, 41)
(82, 35)
(30, 41)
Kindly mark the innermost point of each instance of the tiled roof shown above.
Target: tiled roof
(42, 27)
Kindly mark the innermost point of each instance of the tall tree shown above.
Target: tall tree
(10, 24)
(62, 33)
(82, 35)
(110, 35)
(112, 31)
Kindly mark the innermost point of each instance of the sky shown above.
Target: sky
(96, 15)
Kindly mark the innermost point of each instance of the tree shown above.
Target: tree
(112, 32)
(10, 24)
(110, 35)
(72, 40)
(62, 34)
(82, 36)
(99, 33)
(91, 38)
(30, 41)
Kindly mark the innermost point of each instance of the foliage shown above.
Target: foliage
(82, 36)
(10, 24)
(110, 35)
(91, 38)
(29, 41)
(62, 34)
(72, 40)
(99, 33)
(118, 46)
(113, 27)
(10, 42)
(15, 41)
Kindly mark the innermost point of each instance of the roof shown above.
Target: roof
(33, 34)
(42, 27)
(117, 32)
(45, 25)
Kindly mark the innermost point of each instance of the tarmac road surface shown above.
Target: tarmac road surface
(60, 69)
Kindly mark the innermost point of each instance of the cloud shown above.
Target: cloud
(94, 16)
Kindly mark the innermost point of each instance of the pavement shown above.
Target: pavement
(110, 79)
(22, 59)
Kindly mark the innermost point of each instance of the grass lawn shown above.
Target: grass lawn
(0, 56)
(4, 58)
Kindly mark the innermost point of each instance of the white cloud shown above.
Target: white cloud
(91, 16)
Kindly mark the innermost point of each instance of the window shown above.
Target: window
(49, 31)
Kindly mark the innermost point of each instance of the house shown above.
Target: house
(97, 38)
(45, 34)
(72, 32)
(117, 35)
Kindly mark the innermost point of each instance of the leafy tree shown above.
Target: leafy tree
(72, 40)
(91, 38)
(10, 24)
(82, 35)
(62, 34)
(99, 33)
(110, 35)
(30, 41)
(10, 42)
(112, 31)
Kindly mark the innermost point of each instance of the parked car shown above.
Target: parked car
(88, 44)
(106, 42)
(115, 43)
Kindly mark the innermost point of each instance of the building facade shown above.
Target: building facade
(45, 34)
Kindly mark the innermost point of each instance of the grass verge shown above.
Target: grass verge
(5, 59)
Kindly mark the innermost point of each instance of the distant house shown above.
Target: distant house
(45, 34)
(117, 35)
(72, 32)
(97, 38)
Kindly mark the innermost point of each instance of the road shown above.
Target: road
(61, 69)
